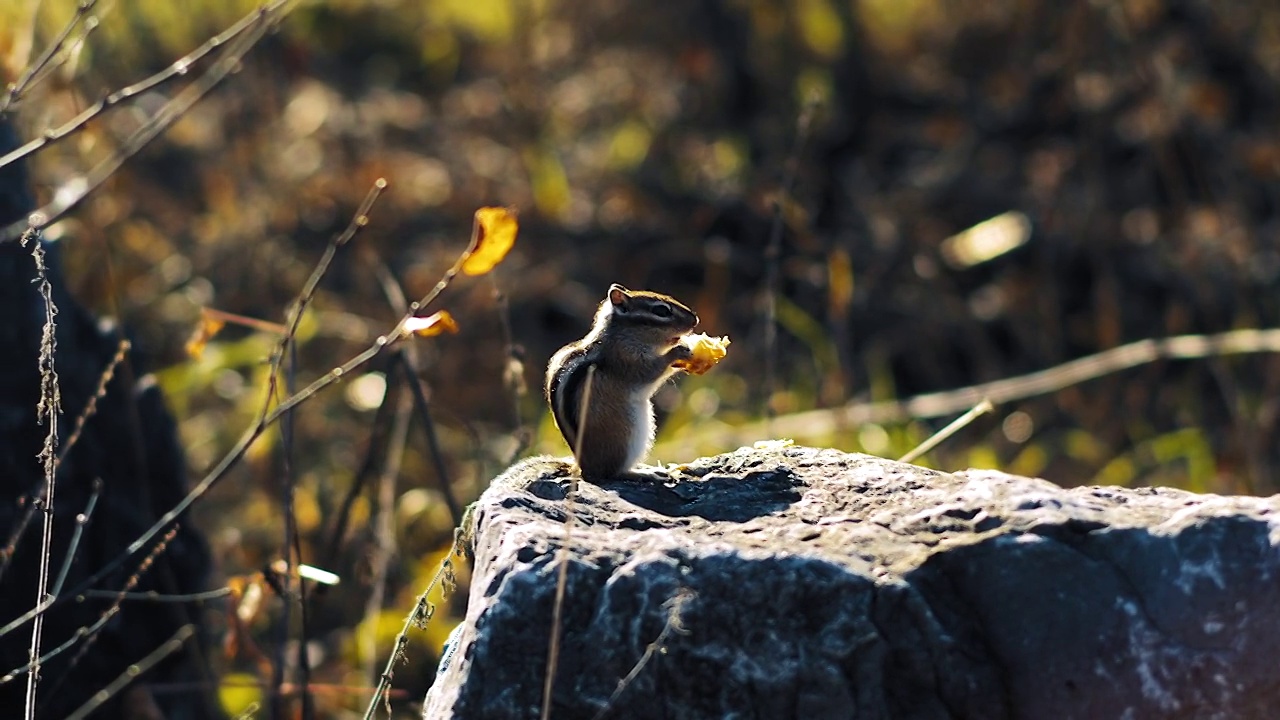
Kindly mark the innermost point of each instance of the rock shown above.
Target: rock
(129, 449)
(792, 582)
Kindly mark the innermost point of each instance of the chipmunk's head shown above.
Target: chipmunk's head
(659, 319)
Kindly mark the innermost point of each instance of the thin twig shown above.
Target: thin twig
(384, 531)
(91, 407)
(265, 18)
(826, 422)
(952, 428)
(153, 596)
(247, 439)
(773, 257)
(423, 406)
(674, 607)
(286, 347)
(20, 529)
(512, 371)
(304, 638)
(178, 69)
(88, 635)
(562, 555)
(327, 689)
(279, 703)
(135, 670)
(421, 614)
(390, 286)
(407, 361)
(69, 51)
(6, 554)
(29, 77)
(377, 437)
(47, 412)
(81, 521)
(359, 220)
(244, 321)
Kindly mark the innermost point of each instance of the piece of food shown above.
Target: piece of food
(707, 351)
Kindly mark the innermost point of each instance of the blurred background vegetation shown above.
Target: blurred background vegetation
(1133, 146)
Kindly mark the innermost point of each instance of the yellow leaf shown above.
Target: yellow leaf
(433, 324)
(820, 27)
(239, 693)
(707, 351)
(494, 234)
(840, 283)
(209, 326)
(548, 180)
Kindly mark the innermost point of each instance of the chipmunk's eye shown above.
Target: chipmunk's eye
(662, 311)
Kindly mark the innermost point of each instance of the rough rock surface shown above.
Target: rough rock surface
(801, 583)
(130, 449)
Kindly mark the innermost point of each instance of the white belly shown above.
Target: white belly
(641, 440)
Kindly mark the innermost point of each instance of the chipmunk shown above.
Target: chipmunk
(634, 341)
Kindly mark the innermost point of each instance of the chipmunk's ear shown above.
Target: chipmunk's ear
(618, 295)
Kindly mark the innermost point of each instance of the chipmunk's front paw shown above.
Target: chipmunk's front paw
(680, 354)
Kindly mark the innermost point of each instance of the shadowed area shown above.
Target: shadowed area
(714, 498)
(802, 583)
(128, 456)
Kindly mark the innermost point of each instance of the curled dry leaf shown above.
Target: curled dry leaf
(492, 237)
(433, 324)
(707, 351)
(210, 325)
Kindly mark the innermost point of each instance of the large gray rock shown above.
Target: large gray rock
(801, 583)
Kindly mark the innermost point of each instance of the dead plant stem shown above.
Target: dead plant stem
(47, 412)
(562, 557)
